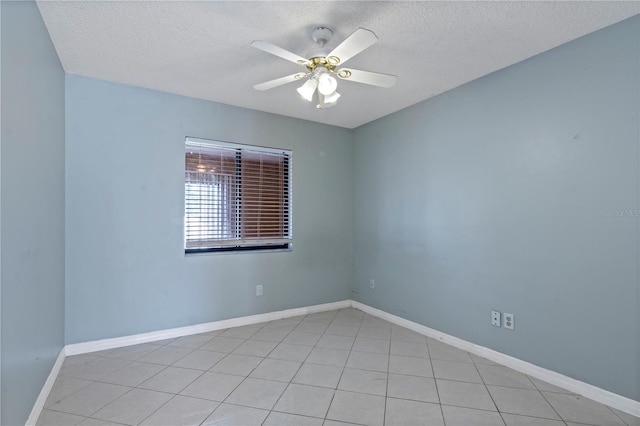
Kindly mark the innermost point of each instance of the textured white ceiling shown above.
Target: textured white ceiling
(202, 49)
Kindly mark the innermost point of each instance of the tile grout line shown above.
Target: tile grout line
(245, 378)
(487, 389)
(190, 383)
(164, 369)
(336, 388)
(616, 414)
(433, 372)
(386, 390)
(513, 387)
(92, 382)
(552, 407)
(174, 395)
(292, 377)
(266, 357)
(341, 375)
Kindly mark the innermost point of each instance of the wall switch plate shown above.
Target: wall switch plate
(509, 321)
(495, 318)
(372, 283)
(259, 290)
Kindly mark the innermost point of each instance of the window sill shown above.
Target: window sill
(244, 250)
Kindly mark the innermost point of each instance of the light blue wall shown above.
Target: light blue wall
(32, 217)
(126, 268)
(492, 196)
(498, 195)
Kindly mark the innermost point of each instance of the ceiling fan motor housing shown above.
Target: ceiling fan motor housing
(321, 35)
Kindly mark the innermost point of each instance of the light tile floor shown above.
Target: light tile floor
(332, 368)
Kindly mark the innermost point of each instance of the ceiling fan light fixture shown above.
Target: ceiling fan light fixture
(308, 89)
(321, 68)
(327, 84)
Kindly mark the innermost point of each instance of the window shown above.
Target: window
(237, 197)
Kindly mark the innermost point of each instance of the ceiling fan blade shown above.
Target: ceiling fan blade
(279, 51)
(279, 81)
(354, 44)
(367, 77)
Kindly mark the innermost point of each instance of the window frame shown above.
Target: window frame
(227, 246)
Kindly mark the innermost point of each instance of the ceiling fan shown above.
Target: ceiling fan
(323, 65)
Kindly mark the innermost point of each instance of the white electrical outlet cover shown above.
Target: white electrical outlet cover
(509, 321)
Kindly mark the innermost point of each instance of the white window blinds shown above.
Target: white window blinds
(237, 197)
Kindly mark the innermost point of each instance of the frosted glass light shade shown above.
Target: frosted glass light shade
(327, 101)
(332, 98)
(308, 88)
(327, 84)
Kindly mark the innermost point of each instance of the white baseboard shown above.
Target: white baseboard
(46, 389)
(595, 393)
(153, 336)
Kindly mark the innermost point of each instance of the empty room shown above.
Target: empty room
(320, 213)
